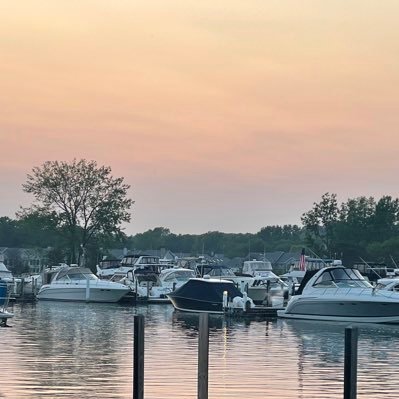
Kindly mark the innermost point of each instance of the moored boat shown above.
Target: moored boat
(207, 295)
(342, 294)
(73, 283)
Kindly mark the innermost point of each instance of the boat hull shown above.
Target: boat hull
(196, 306)
(343, 310)
(78, 294)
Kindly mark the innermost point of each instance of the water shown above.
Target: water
(70, 350)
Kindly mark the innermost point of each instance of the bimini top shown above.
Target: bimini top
(209, 290)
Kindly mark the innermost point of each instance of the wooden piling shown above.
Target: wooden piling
(203, 356)
(350, 363)
(138, 358)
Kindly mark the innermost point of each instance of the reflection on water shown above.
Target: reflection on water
(70, 350)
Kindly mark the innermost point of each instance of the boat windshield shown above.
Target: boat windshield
(219, 272)
(77, 276)
(341, 278)
(109, 264)
(181, 275)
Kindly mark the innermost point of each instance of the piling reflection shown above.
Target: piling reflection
(60, 350)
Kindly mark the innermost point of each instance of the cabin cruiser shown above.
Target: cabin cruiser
(341, 294)
(265, 284)
(208, 295)
(106, 269)
(73, 283)
(145, 285)
(257, 268)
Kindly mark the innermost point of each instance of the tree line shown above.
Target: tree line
(79, 209)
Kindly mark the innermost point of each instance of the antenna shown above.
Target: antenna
(249, 249)
(393, 260)
(317, 256)
(371, 268)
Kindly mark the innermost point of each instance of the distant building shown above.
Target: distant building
(30, 259)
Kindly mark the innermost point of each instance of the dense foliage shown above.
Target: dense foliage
(361, 227)
(358, 228)
(82, 198)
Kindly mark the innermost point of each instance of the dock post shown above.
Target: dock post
(87, 289)
(203, 356)
(138, 358)
(350, 363)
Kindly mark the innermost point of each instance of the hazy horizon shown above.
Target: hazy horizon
(225, 116)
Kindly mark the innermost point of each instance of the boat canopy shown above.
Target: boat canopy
(177, 274)
(340, 277)
(208, 290)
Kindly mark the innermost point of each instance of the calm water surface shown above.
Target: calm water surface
(71, 350)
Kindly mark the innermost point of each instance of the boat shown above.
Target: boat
(7, 277)
(107, 268)
(175, 277)
(5, 274)
(208, 295)
(388, 283)
(147, 286)
(74, 283)
(338, 293)
(4, 300)
(266, 286)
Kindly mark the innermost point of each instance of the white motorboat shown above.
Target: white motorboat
(107, 268)
(72, 283)
(342, 294)
(147, 285)
(265, 284)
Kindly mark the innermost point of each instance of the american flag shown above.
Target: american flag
(302, 262)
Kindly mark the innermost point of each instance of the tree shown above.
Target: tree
(320, 221)
(84, 197)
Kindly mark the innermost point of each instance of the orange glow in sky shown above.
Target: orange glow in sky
(226, 115)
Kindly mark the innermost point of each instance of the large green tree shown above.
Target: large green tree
(319, 224)
(85, 199)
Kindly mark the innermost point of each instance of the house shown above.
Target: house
(25, 260)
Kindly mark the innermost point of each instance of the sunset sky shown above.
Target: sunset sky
(221, 115)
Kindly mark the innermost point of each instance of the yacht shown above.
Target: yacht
(107, 268)
(266, 285)
(146, 285)
(73, 283)
(341, 294)
(207, 294)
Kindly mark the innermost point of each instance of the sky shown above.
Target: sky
(221, 115)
